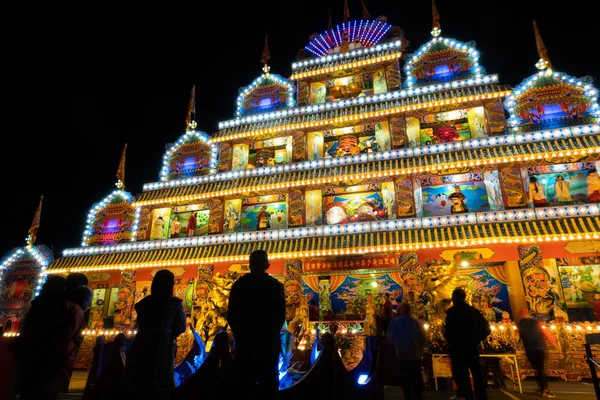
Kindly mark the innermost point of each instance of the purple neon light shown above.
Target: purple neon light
(368, 33)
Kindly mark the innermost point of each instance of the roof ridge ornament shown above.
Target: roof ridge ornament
(544, 61)
(436, 28)
(266, 56)
(190, 122)
(121, 170)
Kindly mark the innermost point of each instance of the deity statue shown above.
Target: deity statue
(370, 324)
(301, 318)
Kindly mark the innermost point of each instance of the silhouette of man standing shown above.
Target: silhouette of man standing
(256, 314)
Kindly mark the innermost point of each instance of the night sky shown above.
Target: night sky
(81, 83)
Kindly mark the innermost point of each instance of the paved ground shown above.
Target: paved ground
(562, 390)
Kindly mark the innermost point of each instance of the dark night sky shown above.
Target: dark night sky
(81, 83)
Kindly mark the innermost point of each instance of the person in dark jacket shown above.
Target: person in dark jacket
(313, 311)
(465, 329)
(407, 336)
(47, 365)
(256, 313)
(161, 319)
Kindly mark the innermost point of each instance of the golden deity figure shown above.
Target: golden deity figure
(370, 324)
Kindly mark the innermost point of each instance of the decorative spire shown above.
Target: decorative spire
(265, 56)
(35, 224)
(544, 61)
(437, 29)
(190, 122)
(346, 11)
(121, 170)
(330, 21)
(365, 12)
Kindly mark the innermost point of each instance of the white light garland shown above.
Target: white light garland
(375, 98)
(491, 141)
(164, 172)
(486, 217)
(510, 103)
(274, 77)
(98, 207)
(43, 262)
(347, 56)
(473, 54)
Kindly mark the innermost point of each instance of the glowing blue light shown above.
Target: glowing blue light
(362, 379)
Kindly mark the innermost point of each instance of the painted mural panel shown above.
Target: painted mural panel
(315, 145)
(389, 199)
(581, 285)
(491, 180)
(347, 208)
(349, 292)
(232, 219)
(560, 188)
(239, 158)
(314, 209)
(489, 293)
(256, 217)
(455, 198)
(542, 290)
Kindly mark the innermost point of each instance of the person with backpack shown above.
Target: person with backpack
(465, 329)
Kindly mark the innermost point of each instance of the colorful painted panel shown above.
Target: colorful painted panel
(215, 220)
(257, 217)
(542, 290)
(489, 293)
(389, 199)
(239, 159)
(455, 199)
(182, 221)
(491, 181)
(379, 83)
(563, 187)
(357, 139)
(405, 197)
(112, 223)
(296, 208)
(314, 209)
(347, 208)
(581, 285)
(315, 145)
(349, 292)
(232, 216)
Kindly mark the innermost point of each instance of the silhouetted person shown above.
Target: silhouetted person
(313, 311)
(31, 348)
(407, 336)
(48, 372)
(532, 335)
(388, 313)
(256, 314)
(75, 280)
(161, 319)
(465, 329)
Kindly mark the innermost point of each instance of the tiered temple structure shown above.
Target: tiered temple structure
(370, 171)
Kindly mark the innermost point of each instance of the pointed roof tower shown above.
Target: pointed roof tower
(436, 28)
(550, 98)
(266, 56)
(365, 12)
(544, 61)
(35, 224)
(121, 170)
(190, 122)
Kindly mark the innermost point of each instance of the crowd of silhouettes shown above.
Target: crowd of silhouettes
(47, 347)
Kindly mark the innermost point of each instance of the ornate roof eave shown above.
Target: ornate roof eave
(387, 106)
(507, 152)
(556, 230)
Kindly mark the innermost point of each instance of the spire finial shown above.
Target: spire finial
(437, 29)
(544, 61)
(121, 170)
(35, 224)
(330, 21)
(346, 11)
(365, 12)
(265, 56)
(190, 122)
